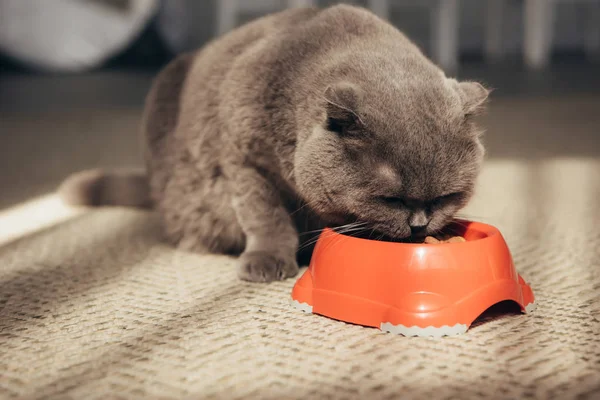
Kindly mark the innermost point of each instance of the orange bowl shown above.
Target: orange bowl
(411, 289)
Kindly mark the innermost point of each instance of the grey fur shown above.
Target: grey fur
(303, 119)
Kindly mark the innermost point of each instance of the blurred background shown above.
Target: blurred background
(74, 73)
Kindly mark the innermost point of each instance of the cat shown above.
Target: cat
(301, 119)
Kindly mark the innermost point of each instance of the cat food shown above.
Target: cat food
(453, 239)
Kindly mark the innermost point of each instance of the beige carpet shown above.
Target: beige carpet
(95, 306)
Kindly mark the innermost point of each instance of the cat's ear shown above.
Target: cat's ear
(342, 106)
(474, 97)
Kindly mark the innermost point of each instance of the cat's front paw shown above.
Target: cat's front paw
(262, 266)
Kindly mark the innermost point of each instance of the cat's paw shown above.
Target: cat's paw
(262, 266)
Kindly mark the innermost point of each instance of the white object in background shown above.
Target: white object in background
(444, 25)
(300, 3)
(173, 24)
(380, 8)
(592, 31)
(539, 30)
(538, 21)
(229, 10)
(67, 35)
(494, 22)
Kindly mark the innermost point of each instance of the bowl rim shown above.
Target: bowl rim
(489, 231)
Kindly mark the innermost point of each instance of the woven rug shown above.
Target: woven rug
(94, 305)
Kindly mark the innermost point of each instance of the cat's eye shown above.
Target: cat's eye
(447, 198)
(335, 125)
(392, 201)
(345, 124)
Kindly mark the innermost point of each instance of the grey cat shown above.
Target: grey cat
(295, 121)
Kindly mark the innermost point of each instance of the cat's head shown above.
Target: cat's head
(402, 160)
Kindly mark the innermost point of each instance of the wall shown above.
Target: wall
(414, 21)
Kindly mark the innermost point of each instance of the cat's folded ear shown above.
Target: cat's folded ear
(474, 97)
(342, 106)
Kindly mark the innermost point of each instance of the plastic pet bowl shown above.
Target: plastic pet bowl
(411, 289)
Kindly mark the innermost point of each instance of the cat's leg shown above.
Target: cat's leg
(206, 231)
(202, 229)
(195, 208)
(271, 238)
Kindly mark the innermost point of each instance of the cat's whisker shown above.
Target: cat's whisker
(310, 232)
(314, 241)
(353, 232)
(307, 245)
(351, 224)
(305, 203)
(358, 232)
(299, 209)
(350, 229)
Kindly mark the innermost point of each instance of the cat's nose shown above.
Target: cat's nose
(417, 230)
(418, 222)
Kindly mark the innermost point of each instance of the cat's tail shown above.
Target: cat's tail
(128, 188)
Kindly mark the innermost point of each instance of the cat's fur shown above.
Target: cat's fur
(332, 112)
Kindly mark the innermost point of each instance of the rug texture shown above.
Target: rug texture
(95, 305)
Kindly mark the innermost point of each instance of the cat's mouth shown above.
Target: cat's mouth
(352, 225)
